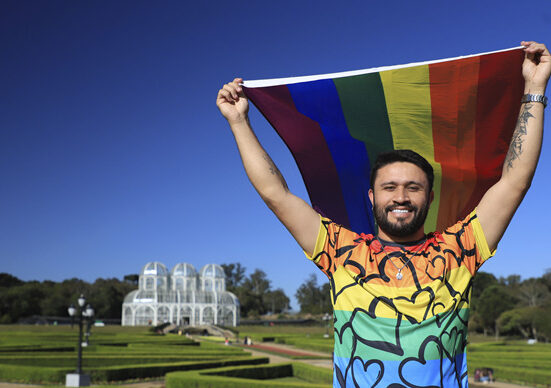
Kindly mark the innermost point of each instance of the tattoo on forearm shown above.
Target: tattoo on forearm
(516, 146)
(275, 171)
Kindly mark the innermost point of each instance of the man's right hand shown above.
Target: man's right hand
(232, 102)
(297, 216)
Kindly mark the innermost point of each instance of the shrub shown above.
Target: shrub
(239, 377)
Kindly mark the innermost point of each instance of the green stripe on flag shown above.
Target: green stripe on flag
(363, 104)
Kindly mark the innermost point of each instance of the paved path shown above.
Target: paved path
(257, 350)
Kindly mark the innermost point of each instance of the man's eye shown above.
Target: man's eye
(414, 188)
(388, 188)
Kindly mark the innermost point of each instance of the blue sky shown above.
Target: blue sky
(113, 153)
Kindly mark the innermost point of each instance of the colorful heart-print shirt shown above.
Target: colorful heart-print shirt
(410, 332)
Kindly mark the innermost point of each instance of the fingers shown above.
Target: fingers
(531, 47)
(535, 52)
(231, 91)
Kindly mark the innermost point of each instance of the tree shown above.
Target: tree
(56, 301)
(235, 274)
(132, 279)
(251, 293)
(493, 301)
(533, 292)
(512, 281)
(542, 321)
(107, 296)
(7, 280)
(276, 301)
(481, 281)
(520, 320)
(254, 291)
(20, 301)
(326, 305)
(313, 299)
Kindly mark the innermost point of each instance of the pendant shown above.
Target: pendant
(399, 275)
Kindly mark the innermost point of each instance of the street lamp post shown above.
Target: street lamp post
(79, 379)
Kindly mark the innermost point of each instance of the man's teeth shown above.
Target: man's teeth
(400, 210)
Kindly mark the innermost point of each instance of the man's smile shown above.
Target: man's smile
(400, 211)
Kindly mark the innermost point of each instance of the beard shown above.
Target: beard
(400, 228)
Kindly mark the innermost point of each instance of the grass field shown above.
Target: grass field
(303, 337)
(45, 354)
(130, 353)
(512, 361)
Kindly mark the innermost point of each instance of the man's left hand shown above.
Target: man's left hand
(536, 68)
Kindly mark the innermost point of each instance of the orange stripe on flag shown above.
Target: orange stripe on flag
(453, 100)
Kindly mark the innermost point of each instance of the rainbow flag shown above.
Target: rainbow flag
(459, 113)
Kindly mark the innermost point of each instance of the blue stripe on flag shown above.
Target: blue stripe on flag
(319, 101)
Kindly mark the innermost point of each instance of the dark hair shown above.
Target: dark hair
(408, 156)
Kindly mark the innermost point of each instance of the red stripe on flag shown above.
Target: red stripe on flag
(500, 87)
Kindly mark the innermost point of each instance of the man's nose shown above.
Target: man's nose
(401, 195)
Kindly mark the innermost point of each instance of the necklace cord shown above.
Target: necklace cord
(399, 274)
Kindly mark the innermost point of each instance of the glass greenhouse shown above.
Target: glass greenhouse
(181, 296)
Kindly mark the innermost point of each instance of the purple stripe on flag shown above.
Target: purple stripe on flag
(305, 140)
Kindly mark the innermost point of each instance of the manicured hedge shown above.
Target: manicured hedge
(533, 363)
(33, 374)
(312, 373)
(34, 349)
(47, 354)
(258, 377)
(263, 372)
(316, 344)
(30, 374)
(117, 373)
(108, 360)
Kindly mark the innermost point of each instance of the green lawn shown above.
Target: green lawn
(512, 361)
(303, 337)
(44, 354)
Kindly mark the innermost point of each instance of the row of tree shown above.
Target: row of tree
(504, 306)
(509, 306)
(19, 299)
(255, 293)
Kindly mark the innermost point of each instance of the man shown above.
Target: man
(401, 298)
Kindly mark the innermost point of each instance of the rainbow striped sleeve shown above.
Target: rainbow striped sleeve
(458, 113)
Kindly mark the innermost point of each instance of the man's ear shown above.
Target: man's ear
(431, 197)
(370, 194)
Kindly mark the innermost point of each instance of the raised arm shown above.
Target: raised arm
(298, 217)
(497, 207)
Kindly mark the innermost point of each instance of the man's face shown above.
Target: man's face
(401, 200)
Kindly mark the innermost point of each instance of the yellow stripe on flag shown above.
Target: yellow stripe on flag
(407, 95)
